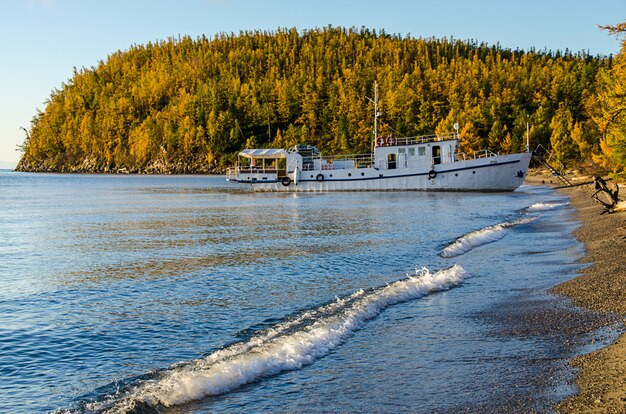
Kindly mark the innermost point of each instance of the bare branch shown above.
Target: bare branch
(616, 30)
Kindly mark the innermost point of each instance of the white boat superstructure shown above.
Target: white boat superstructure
(412, 163)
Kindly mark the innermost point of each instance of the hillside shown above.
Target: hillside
(189, 105)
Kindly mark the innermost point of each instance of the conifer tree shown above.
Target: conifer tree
(564, 149)
(611, 98)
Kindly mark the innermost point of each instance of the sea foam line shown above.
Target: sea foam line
(550, 205)
(485, 235)
(286, 346)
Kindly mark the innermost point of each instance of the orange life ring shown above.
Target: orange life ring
(391, 140)
(380, 141)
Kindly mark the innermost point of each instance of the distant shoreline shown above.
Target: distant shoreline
(600, 287)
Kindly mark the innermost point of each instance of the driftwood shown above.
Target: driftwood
(605, 196)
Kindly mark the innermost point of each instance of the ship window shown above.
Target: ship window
(421, 151)
(401, 150)
(411, 152)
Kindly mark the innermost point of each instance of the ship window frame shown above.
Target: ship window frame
(412, 152)
(421, 151)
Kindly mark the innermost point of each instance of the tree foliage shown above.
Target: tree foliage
(609, 107)
(188, 105)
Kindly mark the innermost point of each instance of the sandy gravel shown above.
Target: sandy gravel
(600, 287)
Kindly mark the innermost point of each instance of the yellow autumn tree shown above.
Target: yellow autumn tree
(611, 98)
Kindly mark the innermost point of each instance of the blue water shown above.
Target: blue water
(187, 294)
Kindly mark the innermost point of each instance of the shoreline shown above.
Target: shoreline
(600, 287)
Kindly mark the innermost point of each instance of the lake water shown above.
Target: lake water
(185, 294)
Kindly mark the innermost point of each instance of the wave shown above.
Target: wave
(286, 346)
(551, 205)
(485, 235)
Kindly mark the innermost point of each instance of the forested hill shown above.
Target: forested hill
(189, 105)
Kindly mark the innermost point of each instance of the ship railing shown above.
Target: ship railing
(234, 172)
(231, 173)
(476, 154)
(334, 162)
(390, 140)
(257, 170)
(360, 160)
(484, 154)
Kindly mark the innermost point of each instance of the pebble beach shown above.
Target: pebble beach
(600, 287)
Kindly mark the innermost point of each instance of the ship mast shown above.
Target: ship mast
(376, 113)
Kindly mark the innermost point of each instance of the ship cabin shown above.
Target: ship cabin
(422, 152)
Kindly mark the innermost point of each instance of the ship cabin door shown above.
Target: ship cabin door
(281, 167)
(436, 154)
(391, 161)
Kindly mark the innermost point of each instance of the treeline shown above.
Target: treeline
(189, 105)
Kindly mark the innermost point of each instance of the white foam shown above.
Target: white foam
(545, 206)
(287, 346)
(485, 235)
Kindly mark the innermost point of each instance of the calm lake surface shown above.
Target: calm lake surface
(187, 294)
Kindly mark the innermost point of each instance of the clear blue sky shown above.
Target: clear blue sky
(41, 41)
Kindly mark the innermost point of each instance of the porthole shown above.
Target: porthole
(349, 174)
(456, 174)
(473, 172)
(362, 174)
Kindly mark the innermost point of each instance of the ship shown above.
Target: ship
(419, 163)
